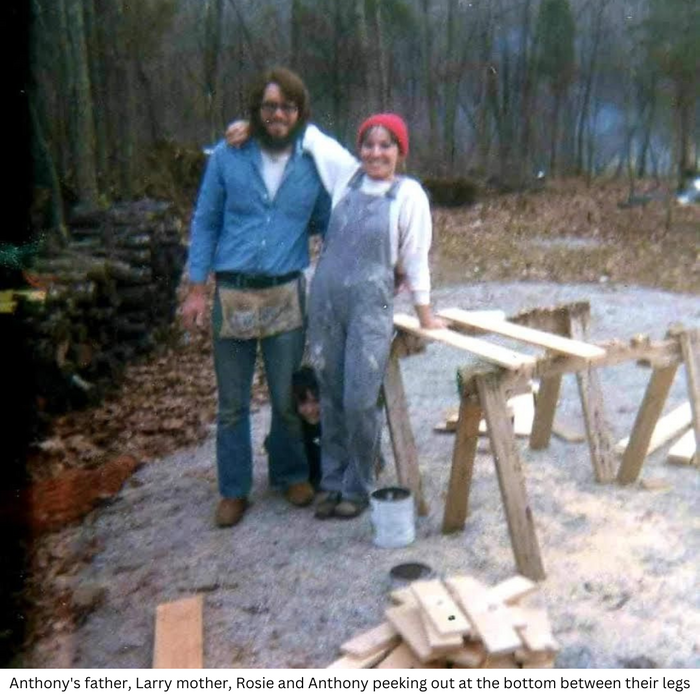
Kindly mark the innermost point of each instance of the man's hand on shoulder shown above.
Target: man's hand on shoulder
(194, 307)
(237, 133)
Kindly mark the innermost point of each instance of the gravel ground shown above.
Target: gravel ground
(284, 590)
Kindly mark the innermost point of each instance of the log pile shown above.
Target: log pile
(109, 291)
(458, 623)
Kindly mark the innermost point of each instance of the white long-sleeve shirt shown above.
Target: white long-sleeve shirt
(410, 225)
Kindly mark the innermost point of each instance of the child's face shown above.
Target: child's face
(309, 409)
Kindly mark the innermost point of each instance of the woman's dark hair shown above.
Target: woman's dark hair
(293, 89)
(304, 382)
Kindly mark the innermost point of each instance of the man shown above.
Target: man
(256, 208)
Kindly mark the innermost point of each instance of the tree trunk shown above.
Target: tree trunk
(84, 145)
(451, 88)
(213, 17)
(428, 75)
(97, 82)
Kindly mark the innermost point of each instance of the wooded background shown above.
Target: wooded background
(498, 88)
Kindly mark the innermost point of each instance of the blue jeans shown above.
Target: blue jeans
(234, 362)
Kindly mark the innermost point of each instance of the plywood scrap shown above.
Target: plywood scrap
(666, 429)
(683, 451)
(178, 635)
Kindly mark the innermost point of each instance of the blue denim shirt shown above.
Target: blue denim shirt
(237, 227)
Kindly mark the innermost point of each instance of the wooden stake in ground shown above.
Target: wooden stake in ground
(178, 638)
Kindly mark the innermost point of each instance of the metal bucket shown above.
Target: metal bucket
(393, 517)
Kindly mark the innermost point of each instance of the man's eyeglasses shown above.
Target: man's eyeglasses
(270, 108)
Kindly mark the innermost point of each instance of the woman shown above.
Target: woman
(380, 231)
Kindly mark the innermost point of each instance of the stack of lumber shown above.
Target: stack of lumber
(456, 623)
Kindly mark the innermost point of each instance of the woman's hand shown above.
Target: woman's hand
(237, 133)
(428, 320)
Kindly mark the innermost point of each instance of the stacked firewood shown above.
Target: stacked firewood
(458, 623)
(109, 290)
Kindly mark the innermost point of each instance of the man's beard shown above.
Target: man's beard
(277, 143)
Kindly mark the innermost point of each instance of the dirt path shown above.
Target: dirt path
(284, 590)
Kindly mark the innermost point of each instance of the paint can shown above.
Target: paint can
(393, 517)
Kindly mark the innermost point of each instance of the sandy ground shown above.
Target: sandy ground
(284, 590)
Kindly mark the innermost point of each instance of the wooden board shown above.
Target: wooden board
(403, 657)
(349, 661)
(489, 617)
(591, 394)
(471, 655)
(683, 451)
(647, 418)
(495, 354)
(403, 596)
(439, 643)
(402, 440)
(537, 632)
(462, 470)
(444, 612)
(521, 408)
(513, 589)
(521, 526)
(178, 636)
(690, 349)
(406, 619)
(666, 429)
(555, 343)
(373, 640)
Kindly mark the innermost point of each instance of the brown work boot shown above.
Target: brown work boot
(300, 494)
(230, 511)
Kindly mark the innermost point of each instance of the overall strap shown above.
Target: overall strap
(391, 192)
(356, 179)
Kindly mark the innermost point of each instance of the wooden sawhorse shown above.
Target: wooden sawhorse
(487, 386)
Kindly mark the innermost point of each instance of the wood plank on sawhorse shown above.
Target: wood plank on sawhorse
(402, 440)
(599, 437)
(178, 637)
(521, 526)
(495, 354)
(557, 343)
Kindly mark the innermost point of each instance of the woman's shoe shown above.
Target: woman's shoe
(326, 505)
(349, 509)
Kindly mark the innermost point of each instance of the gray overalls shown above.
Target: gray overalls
(350, 331)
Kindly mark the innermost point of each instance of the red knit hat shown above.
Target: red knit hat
(392, 123)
